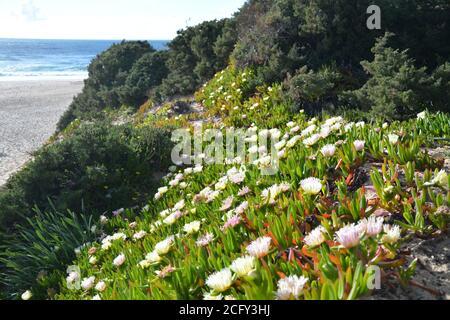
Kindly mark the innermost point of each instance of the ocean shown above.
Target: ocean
(23, 59)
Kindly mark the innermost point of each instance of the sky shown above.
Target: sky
(107, 19)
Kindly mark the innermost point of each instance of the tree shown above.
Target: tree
(396, 88)
(147, 73)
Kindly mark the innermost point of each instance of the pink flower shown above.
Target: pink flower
(228, 202)
(232, 222)
(359, 145)
(244, 191)
(349, 236)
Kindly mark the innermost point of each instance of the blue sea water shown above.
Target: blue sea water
(22, 59)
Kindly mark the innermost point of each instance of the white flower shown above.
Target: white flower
(26, 295)
(311, 186)
(253, 150)
(237, 178)
(295, 129)
(88, 283)
(372, 226)
(205, 240)
(392, 234)
(153, 257)
(119, 260)
(179, 205)
(243, 266)
(227, 203)
(163, 190)
(290, 124)
(308, 131)
(241, 208)
(280, 145)
(244, 191)
(291, 287)
(101, 286)
(139, 235)
(72, 277)
(164, 246)
(192, 227)
(316, 237)
(361, 124)
(422, 115)
(359, 145)
(393, 138)
(96, 298)
(328, 151)
(385, 125)
(349, 236)
(93, 260)
(309, 142)
(334, 120)
(198, 168)
(103, 220)
(293, 141)
(220, 281)
(441, 179)
(260, 247)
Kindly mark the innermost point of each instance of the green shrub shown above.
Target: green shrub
(108, 73)
(396, 89)
(99, 165)
(281, 36)
(38, 255)
(195, 55)
(313, 91)
(147, 73)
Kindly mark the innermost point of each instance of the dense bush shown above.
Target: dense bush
(108, 73)
(281, 36)
(43, 247)
(148, 72)
(313, 91)
(196, 54)
(99, 167)
(397, 89)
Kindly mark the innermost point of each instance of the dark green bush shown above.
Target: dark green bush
(195, 55)
(280, 36)
(396, 89)
(148, 72)
(100, 166)
(37, 256)
(314, 91)
(108, 73)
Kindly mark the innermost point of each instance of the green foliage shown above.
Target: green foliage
(108, 72)
(313, 91)
(396, 89)
(195, 55)
(43, 247)
(99, 165)
(280, 36)
(147, 73)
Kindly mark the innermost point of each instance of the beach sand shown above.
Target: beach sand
(29, 112)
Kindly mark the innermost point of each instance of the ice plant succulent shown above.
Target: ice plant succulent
(316, 237)
(291, 287)
(349, 236)
(260, 247)
(220, 281)
(243, 266)
(311, 186)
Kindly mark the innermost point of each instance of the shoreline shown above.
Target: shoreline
(29, 112)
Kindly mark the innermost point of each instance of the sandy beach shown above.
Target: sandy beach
(29, 112)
